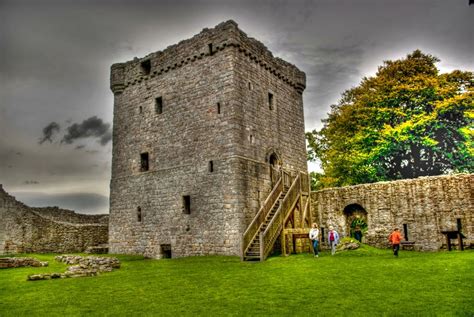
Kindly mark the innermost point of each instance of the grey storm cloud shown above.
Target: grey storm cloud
(49, 131)
(92, 127)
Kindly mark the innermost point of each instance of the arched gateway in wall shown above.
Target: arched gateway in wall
(356, 220)
(422, 208)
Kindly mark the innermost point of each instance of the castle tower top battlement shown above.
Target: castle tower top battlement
(208, 42)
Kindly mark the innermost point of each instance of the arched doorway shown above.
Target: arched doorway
(356, 221)
(273, 159)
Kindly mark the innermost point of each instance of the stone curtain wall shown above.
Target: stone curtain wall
(64, 215)
(208, 114)
(426, 205)
(50, 229)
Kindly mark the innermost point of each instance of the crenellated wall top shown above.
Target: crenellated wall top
(208, 42)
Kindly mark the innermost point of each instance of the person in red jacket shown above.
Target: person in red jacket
(395, 238)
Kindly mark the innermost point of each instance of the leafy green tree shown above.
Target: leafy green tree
(406, 121)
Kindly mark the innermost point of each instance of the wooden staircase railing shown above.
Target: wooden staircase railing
(274, 228)
(253, 229)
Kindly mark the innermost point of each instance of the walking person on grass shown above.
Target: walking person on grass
(394, 238)
(333, 239)
(314, 237)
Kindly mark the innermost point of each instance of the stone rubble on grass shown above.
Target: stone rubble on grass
(6, 263)
(81, 267)
(348, 245)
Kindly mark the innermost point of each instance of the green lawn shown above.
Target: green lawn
(365, 282)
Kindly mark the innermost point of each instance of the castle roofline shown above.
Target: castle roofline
(207, 42)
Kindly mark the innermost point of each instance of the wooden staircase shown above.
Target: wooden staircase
(253, 251)
(259, 238)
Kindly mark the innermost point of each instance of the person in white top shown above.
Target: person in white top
(314, 237)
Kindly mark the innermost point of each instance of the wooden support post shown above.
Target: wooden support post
(294, 243)
(448, 242)
(301, 202)
(310, 214)
(461, 247)
(283, 243)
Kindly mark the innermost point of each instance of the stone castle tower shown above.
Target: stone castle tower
(197, 130)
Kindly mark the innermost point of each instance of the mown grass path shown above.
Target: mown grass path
(365, 282)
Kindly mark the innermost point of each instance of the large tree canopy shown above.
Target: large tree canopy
(407, 121)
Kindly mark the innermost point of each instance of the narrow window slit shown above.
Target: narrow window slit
(187, 204)
(159, 105)
(139, 214)
(405, 231)
(459, 224)
(211, 166)
(144, 162)
(270, 101)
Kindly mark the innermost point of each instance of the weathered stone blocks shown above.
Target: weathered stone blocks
(421, 208)
(219, 99)
(6, 263)
(80, 267)
(26, 229)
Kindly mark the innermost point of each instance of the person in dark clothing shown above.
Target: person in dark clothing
(358, 234)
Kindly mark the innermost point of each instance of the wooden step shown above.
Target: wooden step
(253, 254)
(251, 258)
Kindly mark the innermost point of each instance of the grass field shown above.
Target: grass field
(365, 282)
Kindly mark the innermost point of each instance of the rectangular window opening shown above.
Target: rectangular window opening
(139, 214)
(166, 251)
(187, 204)
(159, 105)
(211, 166)
(322, 234)
(270, 101)
(459, 224)
(218, 108)
(144, 162)
(405, 231)
(250, 86)
(140, 109)
(210, 48)
(145, 67)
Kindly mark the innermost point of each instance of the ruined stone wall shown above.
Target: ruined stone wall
(26, 229)
(64, 215)
(207, 115)
(426, 205)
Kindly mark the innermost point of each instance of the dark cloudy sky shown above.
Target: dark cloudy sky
(56, 107)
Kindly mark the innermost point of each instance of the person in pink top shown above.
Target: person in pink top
(333, 239)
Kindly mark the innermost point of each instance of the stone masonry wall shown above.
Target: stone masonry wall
(40, 230)
(208, 115)
(426, 205)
